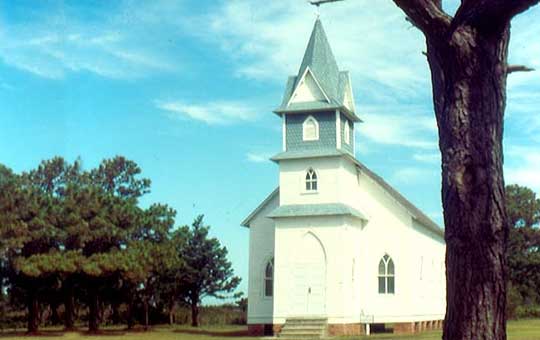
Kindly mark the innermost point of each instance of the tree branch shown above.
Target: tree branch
(491, 11)
(427, 15)
(518, 68)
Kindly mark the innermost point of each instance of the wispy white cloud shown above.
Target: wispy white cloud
(413, 174)
(525, 166)
(413, 127)
(383, 53)
(372, 40)
(428, 157)
(258, 157)
(214, 113)
(6, 86)
(54, 45)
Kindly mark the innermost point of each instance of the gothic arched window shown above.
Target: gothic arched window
(311, 180)
(386, 275)
(269, 279)
(310, 129)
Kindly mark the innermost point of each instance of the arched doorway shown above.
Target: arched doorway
(309, 278)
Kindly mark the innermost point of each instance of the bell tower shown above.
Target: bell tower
(317, 109)
(318, 115)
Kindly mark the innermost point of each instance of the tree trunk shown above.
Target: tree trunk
(32, 304)
(55, 316)
(93, 310)
(145, 304)
(469, 89)
(130, 316)
(69, 305)
(115, 317)
(194, 314)
(172, 309)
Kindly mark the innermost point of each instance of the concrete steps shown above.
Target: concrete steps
(303, 328)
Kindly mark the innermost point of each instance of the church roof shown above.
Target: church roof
(324, 209)
(321, 63)
(415, 212)
(308, 153)
(247, 220)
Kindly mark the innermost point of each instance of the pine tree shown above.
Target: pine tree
(207, 271)
(523, 251)
(30, 210)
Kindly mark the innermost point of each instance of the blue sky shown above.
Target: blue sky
(186, 89)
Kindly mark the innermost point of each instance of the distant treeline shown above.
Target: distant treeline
(75, 245)
(227, 314)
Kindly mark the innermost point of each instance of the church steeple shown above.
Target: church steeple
(319, 83)
(318, 108)
(321, 61)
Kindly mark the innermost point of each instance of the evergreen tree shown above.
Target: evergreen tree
(112, 216)
(31, 232)
(152, 249)
(207, 271)
(523, 253)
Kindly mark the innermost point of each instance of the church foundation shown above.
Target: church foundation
(404, 327)
(264, 329)
(345, 329)
(417, 327)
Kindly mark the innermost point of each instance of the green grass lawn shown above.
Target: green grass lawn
(517, 330)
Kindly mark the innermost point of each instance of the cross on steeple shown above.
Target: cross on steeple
(318, 3)
(321, 2)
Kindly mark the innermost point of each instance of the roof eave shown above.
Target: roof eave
(247, 220)
(431, 226)
(363, 219)
(350, 114)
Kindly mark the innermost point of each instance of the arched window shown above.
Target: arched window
(269, 279)
(347, 132)
(386, 275)
(311, 180)
(310, 129)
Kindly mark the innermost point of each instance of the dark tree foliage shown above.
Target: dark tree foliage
(65, 232)
(206, 269)
(31, 210)
(467, 54)
(524, 242)
(73, 237)
(111, 216)
(152, 247)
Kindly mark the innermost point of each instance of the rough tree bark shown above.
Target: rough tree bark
(467, 55)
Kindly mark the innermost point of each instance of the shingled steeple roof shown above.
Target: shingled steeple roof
(319, 60)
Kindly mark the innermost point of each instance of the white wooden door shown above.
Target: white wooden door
(308, 293)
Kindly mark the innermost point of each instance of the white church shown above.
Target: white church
(335, 247)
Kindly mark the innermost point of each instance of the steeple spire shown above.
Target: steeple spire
(321, 61)
(319, 84)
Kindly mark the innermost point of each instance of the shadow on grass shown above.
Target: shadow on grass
(59, 333)
(45, 333)
(108, 332)
(223, 334)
